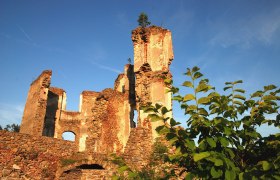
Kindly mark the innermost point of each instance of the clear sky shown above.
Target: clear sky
(87, 43)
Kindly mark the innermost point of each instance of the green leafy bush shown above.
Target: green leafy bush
(221, 140)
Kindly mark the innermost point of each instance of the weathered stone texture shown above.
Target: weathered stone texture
(31, 157)
(35, 107)
(152, 45)
(139, 148)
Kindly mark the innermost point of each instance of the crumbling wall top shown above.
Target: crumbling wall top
(152, 45)
(45, 73)
(90, 93)
(56, 90)
(146, 32)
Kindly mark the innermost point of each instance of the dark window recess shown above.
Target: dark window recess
(90, 166)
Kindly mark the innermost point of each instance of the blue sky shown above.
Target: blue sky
(87, 43)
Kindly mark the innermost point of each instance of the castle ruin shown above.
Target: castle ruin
(104, 123)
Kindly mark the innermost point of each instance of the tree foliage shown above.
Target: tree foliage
(12, 128)
(143, 20)
(221, 140)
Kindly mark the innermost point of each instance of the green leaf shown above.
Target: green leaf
(241, 176)
(148, 109)
(224, 142)
(171, 137)
(155, 117)
(190, 144)
(168, 81)
(227, 131)
(230, 152)
(202, 111)
(195, 69)
(216, 174)
(229, 175)
(211, 142)
(197, 75)
(164, 110)
(227, 87)
(269, 98)
(266, 165)
(158, 106)
(188, 84)
(257, 94)
(239, 90)
(200, 156)
(189, 176)
(173, 122)
(228, 83)
(269, 87)
(237, 82)
(202, 87)
(159, 128)
(218, 162)
(213, 94)
(203, 100)
(162, 130)
(238, 96)
(238, 102)
(188, 73)
(177, 98)
(189, 97)
(191, 108)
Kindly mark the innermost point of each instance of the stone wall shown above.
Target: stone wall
(35, 107)
(31, 157)
(139, 148)
(112, 110)
(152, 45)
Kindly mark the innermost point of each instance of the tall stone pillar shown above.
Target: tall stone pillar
(153, 55)
(35, 108)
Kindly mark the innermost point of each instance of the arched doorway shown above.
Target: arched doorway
(86, 171)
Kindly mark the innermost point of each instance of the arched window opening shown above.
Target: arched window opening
(69, 136)
(90, 166)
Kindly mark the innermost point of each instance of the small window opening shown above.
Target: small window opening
(69, 136)
(135, 119)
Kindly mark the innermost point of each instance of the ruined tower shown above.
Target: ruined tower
(36, 105)
(153, 54)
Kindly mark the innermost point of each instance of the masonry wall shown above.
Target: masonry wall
(112, 121)
(139, 148)
(153, 55)
(31, 157)
(35, 107)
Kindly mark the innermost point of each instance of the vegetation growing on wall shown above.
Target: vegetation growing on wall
(143, 20)
(225, 126)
